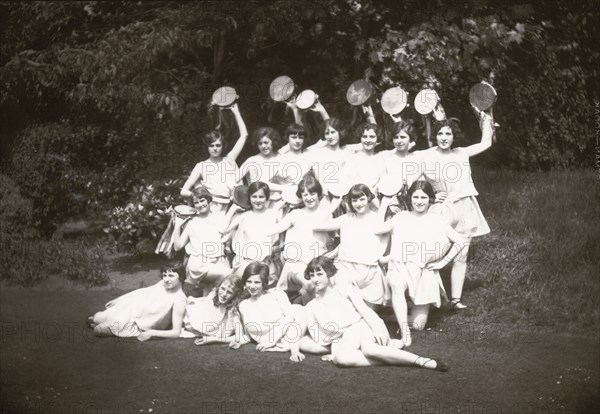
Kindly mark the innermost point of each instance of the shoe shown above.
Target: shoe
(439, 365)
(456, 304)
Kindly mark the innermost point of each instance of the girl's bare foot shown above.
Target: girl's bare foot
(327, 358)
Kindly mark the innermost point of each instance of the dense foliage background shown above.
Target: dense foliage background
(101, 99)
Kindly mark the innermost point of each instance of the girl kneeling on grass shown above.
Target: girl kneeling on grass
(155, 311)
(339, 320)
(214, 318)
(421, 243)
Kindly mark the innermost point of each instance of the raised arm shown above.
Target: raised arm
(486, 123)
(241, 141)
(195, 176)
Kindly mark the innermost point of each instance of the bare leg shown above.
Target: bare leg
(400, 308)
(459, 269)
(418, 317)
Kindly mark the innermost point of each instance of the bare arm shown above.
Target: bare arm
(329, 225)
(176, 323)
(180, 238)
(380, 332)
(487, 131)
(458, 242)
(195, 176)
(239, 145)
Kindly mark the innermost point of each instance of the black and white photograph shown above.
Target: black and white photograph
(300, 206)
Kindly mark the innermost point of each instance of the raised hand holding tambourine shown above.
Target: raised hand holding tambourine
(307, 99)
(482, 97)
(224, 97)
(393, 102)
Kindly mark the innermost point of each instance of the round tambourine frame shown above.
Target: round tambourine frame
(394, 100)
(282, 89)
(359, 92)
(483, 96)
(224, 96)
(185, 211)
(425, 101)
(306, 99)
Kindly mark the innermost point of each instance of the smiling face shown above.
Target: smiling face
(225, 293)
(170, 280)
(258, 200)
(332, 136)
(368, 140)
(445, 138)
(202, 205)
(310, 199)
(360, 204)
(265, 146)
(254, 286)
(319, 279)
(420, 201)
(215, 148)
(296, 142)
(401, 141)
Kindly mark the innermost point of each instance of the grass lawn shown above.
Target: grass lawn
(527, 344)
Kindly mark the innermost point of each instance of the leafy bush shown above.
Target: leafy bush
(25, 259)
(145, 216)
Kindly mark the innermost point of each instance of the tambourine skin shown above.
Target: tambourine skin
(425, 101)
(224, 96)
(282, 89)
(306, 99)
(359, 92)
(394, 100)
(482, 96)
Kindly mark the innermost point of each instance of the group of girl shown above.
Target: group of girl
(340, 228)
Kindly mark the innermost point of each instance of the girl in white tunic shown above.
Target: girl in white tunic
(421, 245)
(262, 166)
(154, 311)
(302, 243)
(268, 317)
(214, 318)
(201, 238)
(218, 173)
(249, 231)
(360, 248)
(449, 171)
(340, 321)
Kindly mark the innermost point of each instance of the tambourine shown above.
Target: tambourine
(224, 96)
(359, 92)
(289, 196)
(426, 100)
(240, 197)
(185, 211)
(389, 185)
(340, 188)
(306, 99)
(482, 96)
(394, 100)
(282, 88)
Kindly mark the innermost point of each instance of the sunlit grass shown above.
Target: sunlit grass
(539, 264)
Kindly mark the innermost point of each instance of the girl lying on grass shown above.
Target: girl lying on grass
(339, 321)
(268, 317)
(155, 311)
(214, 318)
